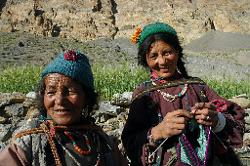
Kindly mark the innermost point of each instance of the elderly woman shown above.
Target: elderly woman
(176, 119)
(65, 134)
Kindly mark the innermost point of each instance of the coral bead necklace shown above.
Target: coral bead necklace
(76, 147)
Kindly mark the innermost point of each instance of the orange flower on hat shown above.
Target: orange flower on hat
(135, 37)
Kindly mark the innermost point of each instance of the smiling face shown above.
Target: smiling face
(162, 59)
(64, 99)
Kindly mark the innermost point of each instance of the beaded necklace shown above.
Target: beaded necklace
(74, 159)
(170, 98)
(70, 155)
(76, 147)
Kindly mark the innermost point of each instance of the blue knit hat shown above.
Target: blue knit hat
(72, 64)
(158, 27)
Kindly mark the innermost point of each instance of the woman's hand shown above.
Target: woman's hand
(205, 113)
(173, 124)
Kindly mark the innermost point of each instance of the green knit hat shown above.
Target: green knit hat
(72, 64)
(150, 29)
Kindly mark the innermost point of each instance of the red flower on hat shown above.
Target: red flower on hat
(70, 55)
(135, 37)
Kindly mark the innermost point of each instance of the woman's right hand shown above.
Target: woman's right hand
(173, 124)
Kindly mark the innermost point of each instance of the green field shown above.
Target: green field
(108, 81)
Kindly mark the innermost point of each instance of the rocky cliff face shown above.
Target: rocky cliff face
(91, 19)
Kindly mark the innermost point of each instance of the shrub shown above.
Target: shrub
(108, 80)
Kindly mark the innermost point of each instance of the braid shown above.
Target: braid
(181, 67)
(181, 63)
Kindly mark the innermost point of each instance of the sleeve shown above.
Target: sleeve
(142, 116)
(232, 134)
(13, 155)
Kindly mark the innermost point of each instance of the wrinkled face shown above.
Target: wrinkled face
(162, 59)
(64, 99)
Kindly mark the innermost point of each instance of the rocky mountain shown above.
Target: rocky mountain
(92, 19)
(217, 31)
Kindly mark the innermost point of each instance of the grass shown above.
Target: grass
(229, 88)
(108, 81)
(21, 79)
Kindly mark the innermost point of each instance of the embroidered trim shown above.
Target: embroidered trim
(28, 132)
(52, 145)
(57, 128)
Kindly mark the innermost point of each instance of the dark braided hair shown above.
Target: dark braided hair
(168, 38)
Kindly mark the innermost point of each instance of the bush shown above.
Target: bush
(21, 79)
(108, 80)
(111, 80)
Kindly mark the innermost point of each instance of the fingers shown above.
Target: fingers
(200, 105)
(205, 122)
(205, 113)
(179, 120)
(174, 123)
(203, 105)
(201, 113)
(180, 113)
(171, 133)
(170, 129)
(177, 117)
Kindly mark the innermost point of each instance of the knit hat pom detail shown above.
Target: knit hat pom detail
(71, 55)
(73, 64)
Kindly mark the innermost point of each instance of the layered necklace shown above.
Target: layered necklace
(70, 155)
(74, 159)
(51, 131)
(78, 149)
(166, 96)
(169, 97)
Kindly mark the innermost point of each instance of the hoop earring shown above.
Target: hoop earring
(85, 112)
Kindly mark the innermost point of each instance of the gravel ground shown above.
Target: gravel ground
(22, 49)
(220, 55)
(219, 42)
(216, 55)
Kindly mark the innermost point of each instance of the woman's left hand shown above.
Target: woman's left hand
(205, 113)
